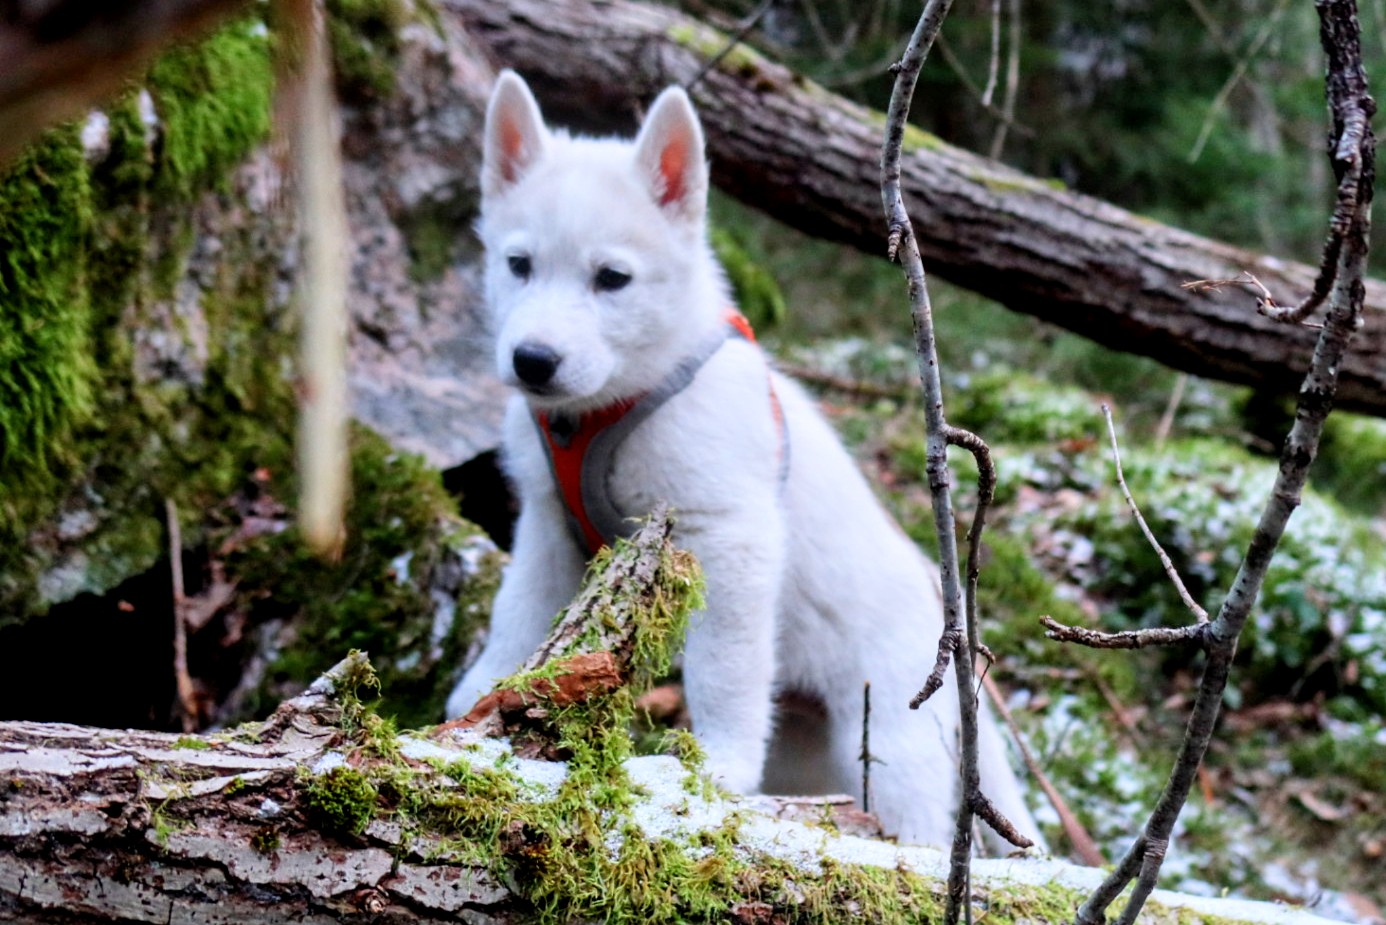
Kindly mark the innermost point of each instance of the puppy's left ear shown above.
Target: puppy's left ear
(669, 150)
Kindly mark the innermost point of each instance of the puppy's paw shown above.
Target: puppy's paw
(733, 772)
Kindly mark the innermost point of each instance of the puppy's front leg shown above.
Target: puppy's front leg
(729, 661)
(543, 576)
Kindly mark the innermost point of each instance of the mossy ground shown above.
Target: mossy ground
(381, 596)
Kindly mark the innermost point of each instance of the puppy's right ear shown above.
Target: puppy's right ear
(515, 134)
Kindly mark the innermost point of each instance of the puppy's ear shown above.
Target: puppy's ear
(669, 151)
(515, 134)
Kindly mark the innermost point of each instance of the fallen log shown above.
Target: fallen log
(810, 158)
(324, 814)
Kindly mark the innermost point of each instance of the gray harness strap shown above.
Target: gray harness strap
(600, 510)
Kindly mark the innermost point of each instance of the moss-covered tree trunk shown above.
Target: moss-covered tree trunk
(147, 355)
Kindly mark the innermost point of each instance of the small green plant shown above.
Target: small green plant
(341, 800)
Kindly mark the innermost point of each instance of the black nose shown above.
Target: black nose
(535, 364)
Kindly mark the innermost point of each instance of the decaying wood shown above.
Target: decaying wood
(808, 157)
(592, 645)
(101, 825)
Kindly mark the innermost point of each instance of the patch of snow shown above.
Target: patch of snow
(328, 761)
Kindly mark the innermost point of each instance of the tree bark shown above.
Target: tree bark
(810, 159)
(105, 826)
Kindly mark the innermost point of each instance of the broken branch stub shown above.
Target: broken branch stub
(620, 630)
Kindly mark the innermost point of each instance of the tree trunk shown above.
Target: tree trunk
(810, 159)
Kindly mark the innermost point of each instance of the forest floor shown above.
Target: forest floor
(1291, 802)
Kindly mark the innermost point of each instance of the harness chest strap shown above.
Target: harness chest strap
(580, 451)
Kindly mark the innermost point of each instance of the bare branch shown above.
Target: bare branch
(310, 120)
(1199, 613)
(1340, 285)
(1238, 72)
(183, 684)
(866, 759)
(947, 645)
(998, 138)
(743, 30)
(1078, 837)
(955, 65)
(988, 813)
(986, 490)
(904, 246)
(1176, 396)
(1193, 634)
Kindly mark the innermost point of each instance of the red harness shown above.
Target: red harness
(591, 515)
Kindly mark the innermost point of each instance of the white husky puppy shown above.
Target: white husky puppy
(610, 309)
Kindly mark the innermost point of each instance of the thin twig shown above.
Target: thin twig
(1078, 837)
(309, 117)
(998, 138)
(994, 61)
(986, 490)
(187, 694)
(1199, 613)
(743, 30)
(866, 758)
(955, 65)
(952, 635)
(857, 388)
(1351, 108)
(1176, 397)
(947, 645)
(902, 245)
(1238, 72)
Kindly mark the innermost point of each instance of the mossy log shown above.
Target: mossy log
(324, 813)
(811, 159)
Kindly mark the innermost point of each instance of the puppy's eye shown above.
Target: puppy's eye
(519, 265)
(609, 279)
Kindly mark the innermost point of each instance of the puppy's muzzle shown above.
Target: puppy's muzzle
(535, 364)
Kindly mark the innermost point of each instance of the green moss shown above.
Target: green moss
(1013, 182)
(213, 100)
(1356, 756)
(756, 291)
(365, 45)
(46, 370)
(402, 528)
(1351, 464)
(1013, 407)
(265, 841)
(341, 800)
(89, 250)
(192, 744)
(438, 235)
(916, 139)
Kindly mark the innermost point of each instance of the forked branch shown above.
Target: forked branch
(1340, 286)
(903, 246)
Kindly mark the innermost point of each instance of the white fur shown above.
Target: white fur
(811, 588)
